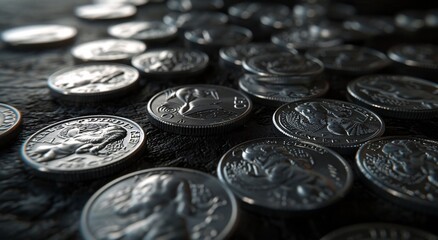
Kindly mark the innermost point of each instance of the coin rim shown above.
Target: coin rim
(396, 57)
(10, 131)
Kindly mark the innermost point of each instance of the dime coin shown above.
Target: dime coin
(105, 11)
(194, 5)
(160, 203)
(91, 82)
(83, 148)
(10, 120)
(153, 31)
(350, 59)
(38, 36)
(137, 3)
(371, 26)
(285, 175)
(396, 96)
(383, 231)
(340, 125)
(193, 20)
(199, 109)
(402, 168)
(277, 94)
(108, 50)
(172, 62)
(415, 56)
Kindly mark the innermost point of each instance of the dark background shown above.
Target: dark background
(34, 208)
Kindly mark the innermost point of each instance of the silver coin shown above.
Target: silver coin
(283, 65)
(153, 31)
(379, 231)
(137, 3)
(38, 36)
(194, 5)
(350, 59)
(105, 11)
(410, 20)
(340, 125)
(276, 94)
(283, 175)
(396, 96)
(199, 109)
(254, 10)
(308, 13)
(193, 20)
(307, 37)
(108, 50)
(403, 168)
(415, 55)
(431, 18)
(176, 62)
(277, 21)
(160, 203)
(10, 120)
(219, 36)
(83, 148)
(91, 82)
(236, 54)
(372, 26)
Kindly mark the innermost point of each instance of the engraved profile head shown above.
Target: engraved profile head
(191, 101)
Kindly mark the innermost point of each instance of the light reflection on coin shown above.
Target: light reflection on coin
(83, 148)
(10, 120)
(415, 55)
(105, 11)
(153, 31)
(236, 54)
(195, 19)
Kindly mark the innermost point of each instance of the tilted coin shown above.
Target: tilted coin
(38, 36)
(379, 231)
(83, 148)
(254, 10)
(160, 203)
(153, 31)
(105, 11)
(91, 82)
(396, 96)
(402, 168)
(194, 5)
(372, 26)
(416, 56)
(350, 59)
(10, 120)
(278, 94)
(410, 20)
(176, 62)
(284, 175)
(307, 37)
(199, 109)
(195, 19)
(108, 50)
(137, 3)
(340, 125)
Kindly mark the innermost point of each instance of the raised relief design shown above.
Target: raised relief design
(284, 174)
(162, 206)
(171, 61)
(7, 119)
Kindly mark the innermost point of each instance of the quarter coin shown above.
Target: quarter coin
(153, 31)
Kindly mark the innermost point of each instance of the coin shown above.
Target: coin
(277, 22)
(38, 36)
(415, 56)
(195, 19)
(137, 3)
(350, 59)
(198, 109)
(149, 32)
(396, 96)
(309, 13)
(431, 18)
(108, 50)
(372, 26)
(83, 148)
(402, 168)
(10, 120)
(410, 20)
(254, 10)
(194, 5)
(384, 231)
(91, 82)
(277, 94)
(105, 11)
(340, 125)
(160, 203)
(284, 175)
(171, 62)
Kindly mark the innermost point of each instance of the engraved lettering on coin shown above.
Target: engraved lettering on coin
(144, 31)
(283, 174)
(417, 55)
(108, 50)
(38, 35)
(105, 11)
(164, 203)
(10, 119)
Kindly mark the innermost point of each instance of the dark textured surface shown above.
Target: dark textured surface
(32, 208)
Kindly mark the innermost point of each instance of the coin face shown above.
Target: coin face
(90, 82)
(172, 61)
(38, 35)
(83, 148)
(350, 59)
(402, 168)
(10, 120)
(132, 2)
(108, 50)
(105, 11)
(236, 54)
(160, 203)
(253, 11)
(331, 123)
(396, 95)
(285, 175)
(153, 31)
(415, 55)
(219, 36)
(199, 109)
(278, 94)
(194, 5)
(379, 231)
(195, 19)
